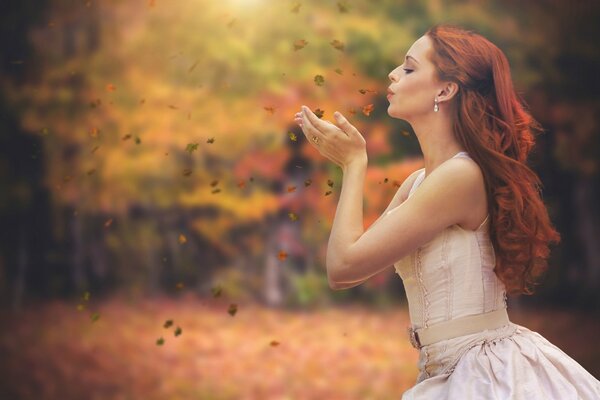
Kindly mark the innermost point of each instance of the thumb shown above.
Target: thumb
(345, 125)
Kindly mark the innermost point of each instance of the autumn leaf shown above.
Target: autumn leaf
(216, 291)
(142, 101)
(210, 140)
(160, 341)
(339, 71)
(108, 223)
(319, 113)
(110, 87)
(80, 307)
(94, 149)
(352, 111)
(327, 193)
(292, 216)
(173, 107)
(232, 309)
(182, 238)
(91, 171)
(329, 183)
(241, 184)
(342, 7)
(337, 44)
(296, 8)
(299, 44)
(274, 343)
(291, 189)
(95, 316)
(292, 136)
(367, 109)
(94, 132)
(282, 255)
(168, 323)
(307, 182)
(177, 331)
(319, 80)
(190, 69)
(138, 140)
(187, 172)
(214, 183)
(126, 137)
(270, 109)
(191, 147)
(216, 190)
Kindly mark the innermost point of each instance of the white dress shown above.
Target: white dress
(452, 276)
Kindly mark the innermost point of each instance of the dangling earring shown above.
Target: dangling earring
(435, 107)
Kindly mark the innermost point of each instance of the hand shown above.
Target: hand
(344, 145)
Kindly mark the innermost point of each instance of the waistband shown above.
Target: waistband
(458, 327)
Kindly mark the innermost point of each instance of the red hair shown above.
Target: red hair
(493, 125)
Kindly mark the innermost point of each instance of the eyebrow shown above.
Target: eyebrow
(415, 60)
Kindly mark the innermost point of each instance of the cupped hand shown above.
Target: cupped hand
(341, 143)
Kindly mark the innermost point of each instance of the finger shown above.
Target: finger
(345, 125)
(314, 120)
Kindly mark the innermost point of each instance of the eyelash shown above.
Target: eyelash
(408, 71)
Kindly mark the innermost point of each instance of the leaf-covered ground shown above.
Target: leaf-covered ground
(54, 351)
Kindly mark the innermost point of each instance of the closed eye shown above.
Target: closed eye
(408, 71)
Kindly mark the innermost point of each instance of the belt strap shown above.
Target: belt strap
(458, 327)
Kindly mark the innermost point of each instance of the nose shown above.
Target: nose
(392, 76)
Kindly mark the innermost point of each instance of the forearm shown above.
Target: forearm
(348, 220)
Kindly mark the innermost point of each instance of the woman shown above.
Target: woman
(463, 231)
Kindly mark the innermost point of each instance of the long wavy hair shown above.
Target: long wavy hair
(493, 125)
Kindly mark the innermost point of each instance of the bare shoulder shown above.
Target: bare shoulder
(407, 185)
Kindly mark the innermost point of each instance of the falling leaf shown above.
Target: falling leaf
(94, 149)
(270, 109)
(190, 69)
(91, 171)
(352, 111)
(108, 223)
(337, 44)
(94, 132)
(177, 331)
(327, 193)
(182, 238)
(319, 113)
(216, 291)
(291, 189)
(274, 343)
(296, 8)
(342, 7)
(367, 109)
(299, 44)
(168, 323)
(307, 182)
(191, 147)
(217, 190)
(179, 286)
(160, 342)
(232, 309)
(241, 184)
(210, 140)
(319, 80)
(142, 101)
(329, 183)
(292, 216)
(214, 183)
(128, 136)
(80, 307)
(282, 255)
(95, 316)
(138, 140)
(292, 136)
(95, 103)
(173, 107)
(110, 87)
(187, 171)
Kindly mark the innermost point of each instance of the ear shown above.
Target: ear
(448, 91)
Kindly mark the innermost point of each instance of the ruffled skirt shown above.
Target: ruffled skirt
(511, 362)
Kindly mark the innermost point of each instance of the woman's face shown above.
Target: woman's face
(413, 83)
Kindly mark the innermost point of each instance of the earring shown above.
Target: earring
(435, 107)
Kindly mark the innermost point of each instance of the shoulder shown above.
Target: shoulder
(407, 184)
